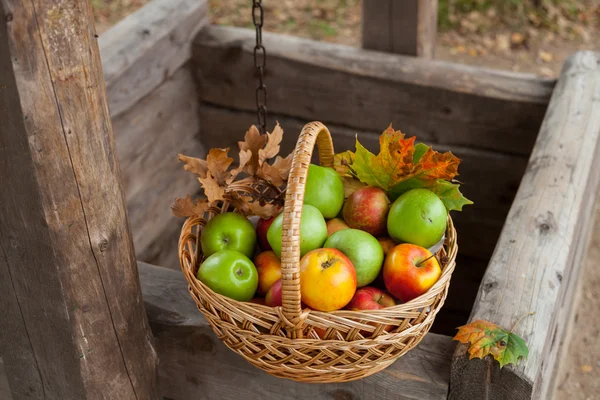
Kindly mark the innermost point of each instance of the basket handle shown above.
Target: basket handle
(313, 132)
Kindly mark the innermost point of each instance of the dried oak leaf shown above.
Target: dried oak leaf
(272, 147)
(186, 207)
(277, 173)
(194, 165)
(485, 338)
(253, 142)
(247, 206)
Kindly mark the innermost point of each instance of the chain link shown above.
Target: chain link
(260, 63)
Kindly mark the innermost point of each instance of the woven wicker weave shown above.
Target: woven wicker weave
(307, 345)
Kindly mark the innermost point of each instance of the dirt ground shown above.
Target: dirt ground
(491, 33)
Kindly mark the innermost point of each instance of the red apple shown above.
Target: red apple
(274, 295)
(387, 244)
(327, 279)
(409, 271)
(370, 298)
(268, 266)
(367, 209)
(336, 224)
(262, 226)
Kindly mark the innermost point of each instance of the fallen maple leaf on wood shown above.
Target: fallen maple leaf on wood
(484, 337)
(260, 182)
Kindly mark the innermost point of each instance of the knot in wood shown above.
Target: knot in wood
(9, 17)
(103, 245)
(546, 223)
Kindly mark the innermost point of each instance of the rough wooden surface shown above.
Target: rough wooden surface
(73, 323)
(147, 47)
(194, 364)
(406, 27)
(537, 261)
(439, 102)
(149, 136)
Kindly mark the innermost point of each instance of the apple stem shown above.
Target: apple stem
(421, 262)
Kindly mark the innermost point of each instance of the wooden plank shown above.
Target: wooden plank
(406, 27)
(149, 136)
(147, 47)
(194, 361)
(440, 102)
(537, 261)
(73, 325)
(491, 179)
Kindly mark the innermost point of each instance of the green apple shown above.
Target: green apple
(362, 249)
(229, 273)
(324, 190)
(313, 231)
(228, 231)
(418, 217)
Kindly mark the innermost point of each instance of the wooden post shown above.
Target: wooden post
(73, 321)
(538, 257)
(404, 27)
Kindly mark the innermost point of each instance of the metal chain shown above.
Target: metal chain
(260, 63)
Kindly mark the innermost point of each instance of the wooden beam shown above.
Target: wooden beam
(537, 260)
(73, 324)
(148, 47)
(193, 360)
(439, 102)
(149, 135)
(406, 27)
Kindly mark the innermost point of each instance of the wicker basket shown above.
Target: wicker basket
(308, 345)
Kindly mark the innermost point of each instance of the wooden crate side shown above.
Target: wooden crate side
(193, 360)
(537, 260)
(147, 47)
(439, 102)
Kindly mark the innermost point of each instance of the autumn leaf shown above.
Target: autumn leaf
(253, 142)
(194, 165)
(220, 181)
(484, 337)
(186, 207)
(402, 165)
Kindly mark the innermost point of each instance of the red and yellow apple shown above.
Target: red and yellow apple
(268, 266)
(336, 224)
(327, 279)
(409, 271)
(262, 226)
(387, 244)
(367, 209)
(274, 295)
(370, 298)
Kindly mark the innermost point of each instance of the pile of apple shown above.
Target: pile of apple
(350, 249)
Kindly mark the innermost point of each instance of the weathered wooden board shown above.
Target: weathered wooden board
(439, 102)
(149, 136)
(491, 179)
(147, 47)
(73, 323)
(195, 364)
(537, 261)
(406, 27)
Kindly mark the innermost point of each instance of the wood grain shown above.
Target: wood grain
(149, 135)
(195, 364)
(537, 260)
(406, 27)
(439, 102)
(73, 322)
(148, 47)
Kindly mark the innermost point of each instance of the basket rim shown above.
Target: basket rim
(412, 305)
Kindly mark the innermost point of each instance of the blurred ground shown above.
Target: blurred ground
(515, 35)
